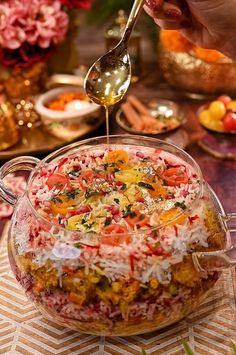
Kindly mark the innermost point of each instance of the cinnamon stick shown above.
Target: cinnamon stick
(143, 110)
(132, 116)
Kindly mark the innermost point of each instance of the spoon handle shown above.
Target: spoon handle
(134, 14)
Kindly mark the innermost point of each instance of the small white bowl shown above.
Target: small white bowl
(69, 121)
(45, 112)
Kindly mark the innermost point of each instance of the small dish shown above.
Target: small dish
(162, 110)
(210, 126)
(65, 124)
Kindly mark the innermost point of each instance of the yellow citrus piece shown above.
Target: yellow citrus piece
(73, 221)
(159, 191)
(119, 158)
(171, 216)
(217, 110)
(62, 204)
(129, 176)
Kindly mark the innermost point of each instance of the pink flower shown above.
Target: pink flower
(39, 23)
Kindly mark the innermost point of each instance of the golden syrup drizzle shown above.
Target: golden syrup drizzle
(107, 124)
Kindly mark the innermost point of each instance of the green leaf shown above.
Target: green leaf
(233, 346)
(143, 352)
(181, 205)
(187, 348)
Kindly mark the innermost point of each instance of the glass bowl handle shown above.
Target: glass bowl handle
(24, 163)
(221, 259)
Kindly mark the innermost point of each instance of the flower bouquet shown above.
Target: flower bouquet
(30, 33)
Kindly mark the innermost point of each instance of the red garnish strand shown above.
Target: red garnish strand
(192, 219)
(62, 162)
(132, 259)
(157, 251)
(140, 155)
(176, 230)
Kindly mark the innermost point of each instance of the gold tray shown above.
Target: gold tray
(39, 140)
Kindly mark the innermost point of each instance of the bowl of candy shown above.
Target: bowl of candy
(196, 71)
(116, 240)
(65, 111)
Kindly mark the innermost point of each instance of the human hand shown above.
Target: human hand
(207, 23)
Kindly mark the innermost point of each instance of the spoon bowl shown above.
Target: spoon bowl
(109, 77)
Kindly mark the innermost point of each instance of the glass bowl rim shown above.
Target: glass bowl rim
(72, 146)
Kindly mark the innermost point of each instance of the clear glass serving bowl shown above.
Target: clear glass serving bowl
(129, 288)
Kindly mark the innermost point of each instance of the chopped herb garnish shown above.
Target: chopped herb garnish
(89, 193)
(181, 205)
(123, 187)
(117, 200)
(146, 186)
(121, 161)
(173, 290)
(56, 200)
(127, 211)
(141, 217)
(75, 173)
(107, 222)
(146, 159)
(83, 221)
(157, 245)
(89, 225)
(77, 245)
(72, 194)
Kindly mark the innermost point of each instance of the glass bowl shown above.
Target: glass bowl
(150, 264)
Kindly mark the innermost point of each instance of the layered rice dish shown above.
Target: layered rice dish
(105, 245)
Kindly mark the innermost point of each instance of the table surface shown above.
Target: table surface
(209, 330)
(220, 174)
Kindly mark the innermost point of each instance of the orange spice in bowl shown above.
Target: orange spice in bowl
(60, 102)
(175, 42)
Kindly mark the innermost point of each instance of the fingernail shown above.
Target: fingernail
(174, 14)
(152, 4)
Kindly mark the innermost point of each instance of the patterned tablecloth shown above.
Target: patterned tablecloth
(24, 331)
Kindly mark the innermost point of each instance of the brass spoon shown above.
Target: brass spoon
(109, 77)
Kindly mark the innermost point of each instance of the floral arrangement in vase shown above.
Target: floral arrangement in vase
(30, 33)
